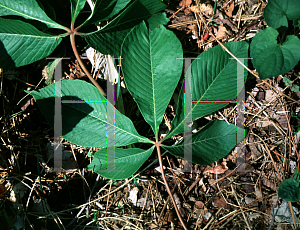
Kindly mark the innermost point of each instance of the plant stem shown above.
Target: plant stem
(167, 186)
(72, 38)
(292, 212)
(66, 29)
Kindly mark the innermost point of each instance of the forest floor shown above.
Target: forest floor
(229, 194)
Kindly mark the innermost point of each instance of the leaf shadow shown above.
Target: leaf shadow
(70, 115)
(6, 61)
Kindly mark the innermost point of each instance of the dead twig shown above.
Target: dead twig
(167, 185)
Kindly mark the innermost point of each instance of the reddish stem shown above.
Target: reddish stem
(72, 38)
(167, 185)
(205, 37)
(66, 29)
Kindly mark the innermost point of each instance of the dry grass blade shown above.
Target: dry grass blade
(292, 212)
(245, 218)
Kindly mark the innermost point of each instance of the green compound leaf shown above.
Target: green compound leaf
(105, 9)
(76, 7)
(289, 190)
(156, 20)
(152, 70)
(214, 78)
(22, 44)
(110, 38)
(28, 9)
(126, 160)
(278, 12)
(85, 123)
(287, 81)
(211, 143)
(271, 59)
(295, 88)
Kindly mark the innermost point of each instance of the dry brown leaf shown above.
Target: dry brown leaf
(219, 169)
(255, 152)
(269, 95)
(269, 183)
(258, 193)
(29, 102)
(229, 8)
(280, 118)
(207, 9)
(199, 204)
(194, 29)
(248, 188)
(185, 3)
(195, 9)
(221, 32)
(274, 200)
(219, 202)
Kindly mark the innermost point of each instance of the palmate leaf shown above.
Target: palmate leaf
(110, 38)
(76, 7)
(28, 9)
(214, 78)
(271, 59)
(22, 44)
(105, 9)
(277, 12)
(152, 68)
(86, 123)
(128, 161)
(289, 190)
(211, 143)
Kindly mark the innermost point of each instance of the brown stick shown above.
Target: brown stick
(72, 38)
(167, 185)
(292, 212)
(166, 203)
